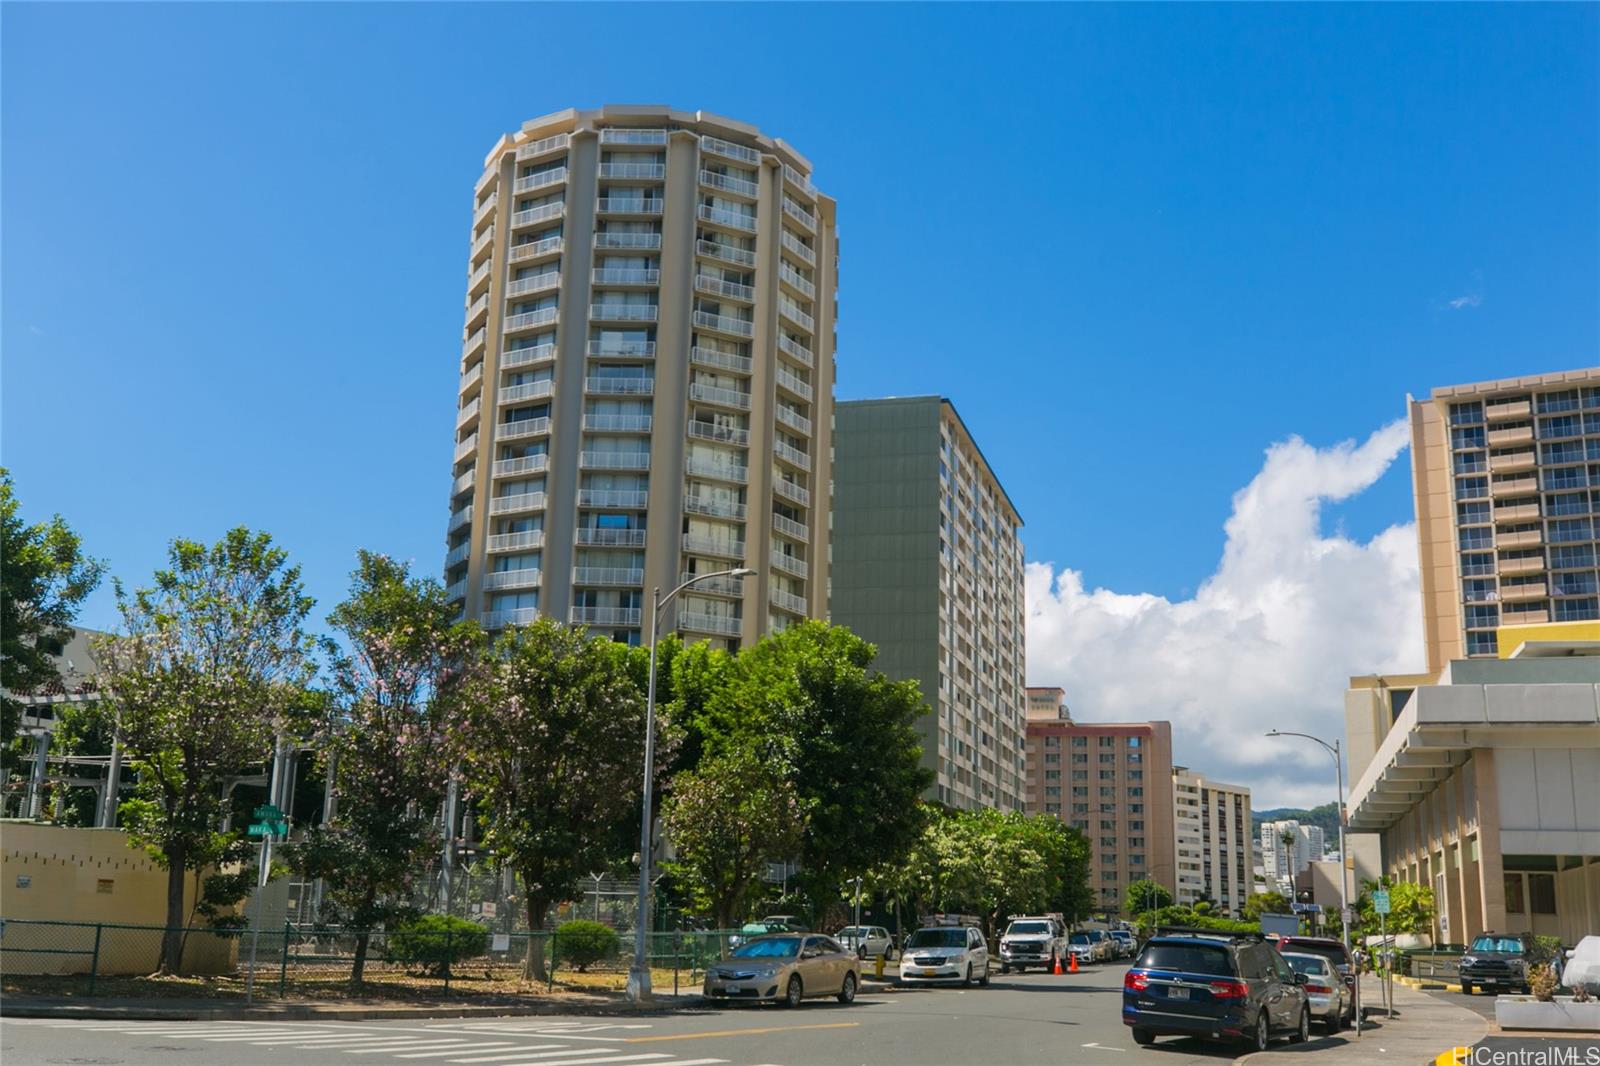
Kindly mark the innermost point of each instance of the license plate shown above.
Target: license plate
(1177, 993)
(732, 990)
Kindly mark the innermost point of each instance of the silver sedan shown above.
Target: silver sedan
(1325, 989)
(787, 968)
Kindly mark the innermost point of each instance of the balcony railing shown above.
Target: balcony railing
(793, 419)
(721, 547)
(614, 460)
(796, 494)
(733, 289)
(457, 555)
(797, 316)
(799, 214)
(721, 360)
(725, 397)
(464, 482)
(609, 423)
(720, 434)
(700, 622)
(724, 324)
(468, 413)
(526, 427)
(728, 183)
(539, 353)
(726, 252)
(617, 135)
(627, 205)
(532, 319)
(522, 501)
(511, 542)
(790, 528)
(533, 150)
(791, 454)
(513, 616)
(479, 276)
(729, 150)
(721, 586)
(721, 216)
(630, 499)
(801, 250)
(606, 616)
(799, 181)
(477, 308)
(619, 386)
(720, 471)
(466, 447)
(461, 518)
(471, 376)
(526, 464)
(526, 578)
(794, 383)
(787, 600)
(627, 241)
(610, 538)
(482, 242)
(710, 505)
(794, 350)
(606, 575)
(538, 283)
(474, 342)
(457, 591)
(622, 349)
(801, 285)
(485, 209)
(790, 565)
(535, 215)
(625, 276)
(634, 171)
(530, 182)
(623, 312)
(535, 249)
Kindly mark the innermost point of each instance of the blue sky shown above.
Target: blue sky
(1136, 245)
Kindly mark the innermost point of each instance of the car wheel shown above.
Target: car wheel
(847, 993)
(1005, 968)
(1302, 1032)
(1466, 988)
(794, 993)
(1263, 1036)
(984, 980)
(1143, 1036)
(967, 980)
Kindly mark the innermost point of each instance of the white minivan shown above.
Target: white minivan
(945, 953)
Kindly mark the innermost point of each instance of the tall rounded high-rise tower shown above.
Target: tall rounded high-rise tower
(647, 378)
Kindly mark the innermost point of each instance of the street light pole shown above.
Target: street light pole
(639, 972)
(1344, 858)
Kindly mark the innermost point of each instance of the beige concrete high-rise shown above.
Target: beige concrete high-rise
(647, 378)
(1507, 479)
(1213, 836)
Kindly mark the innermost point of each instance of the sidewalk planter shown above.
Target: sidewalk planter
(1525, 1012)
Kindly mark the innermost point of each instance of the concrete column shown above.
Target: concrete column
(1491, 870)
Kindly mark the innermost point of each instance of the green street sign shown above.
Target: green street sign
(268, 813)
(262, 829)
(1380, 901)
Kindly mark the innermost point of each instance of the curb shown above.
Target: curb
(307, 1012)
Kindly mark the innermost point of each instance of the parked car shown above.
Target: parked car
(791, 921)
(1127, 943)
(751, 930)
(1105, 948)
(1080, 946)
(786, 967)
(1583, 966)
(1497, 960)
(1325, 988)
(1217, 985)
(868, 941)
(945, 953)
(1337, 954)
(1032, 941)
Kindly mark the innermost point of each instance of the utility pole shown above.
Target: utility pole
(452, 795)
(108, 802)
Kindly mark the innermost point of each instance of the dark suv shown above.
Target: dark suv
(1198, 982)
(1336, 953)
(1497, 960)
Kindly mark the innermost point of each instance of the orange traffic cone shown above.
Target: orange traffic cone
(1057, 970)
(1073, 961)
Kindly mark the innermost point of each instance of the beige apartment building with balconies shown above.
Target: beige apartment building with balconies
(646, 378)
(1507, 482)
(1214, 840)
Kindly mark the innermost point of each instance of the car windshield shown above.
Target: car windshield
(1123, 934)
(851, 930)
(1018, 928)
(938, 938)
(1187, 958)
(1078, 938)
(777, 947)
(1096, 934)
(1307, 963)
(1497, 943)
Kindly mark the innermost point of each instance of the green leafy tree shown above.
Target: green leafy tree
(1261, 903)
(212, 661)
(1411, 908)
(726, 821)
(44, 577)
(551, 738)
(1146, 895)
(385, 745)
(582, 943)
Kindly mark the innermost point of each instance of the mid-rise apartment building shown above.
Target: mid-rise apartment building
(1506, 476)
(1114, 783)
(1212, 837)
(927, 565)
(646, 378)
(1287, 847)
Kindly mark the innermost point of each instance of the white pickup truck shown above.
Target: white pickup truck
(1032, 941)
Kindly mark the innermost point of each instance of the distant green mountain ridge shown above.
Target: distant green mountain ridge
(1326, 816)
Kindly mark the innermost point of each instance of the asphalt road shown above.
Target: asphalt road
(1022, 1020)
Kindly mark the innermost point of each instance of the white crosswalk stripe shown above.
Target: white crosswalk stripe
(590, 1061)
(235, 1037)
(519, 1053)
(549, 1054)
(458, 1045)
(318, 1040)
(454, 1051)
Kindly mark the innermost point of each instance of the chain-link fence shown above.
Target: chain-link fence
(467, 959)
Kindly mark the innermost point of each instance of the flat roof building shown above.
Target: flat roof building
(1212, 838)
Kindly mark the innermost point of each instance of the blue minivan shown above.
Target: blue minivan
(1223, 986)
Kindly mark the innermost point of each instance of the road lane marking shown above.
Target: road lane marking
(519, 1053)
(639, 1058)
(501, 1045)
(738, 1032)
(544, 1055)
(1102, 1047)
(451, 1045)
(320, 1038)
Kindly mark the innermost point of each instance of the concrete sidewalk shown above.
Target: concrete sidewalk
(1422, 1029)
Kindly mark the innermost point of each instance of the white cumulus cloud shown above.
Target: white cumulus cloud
(1269, 640)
